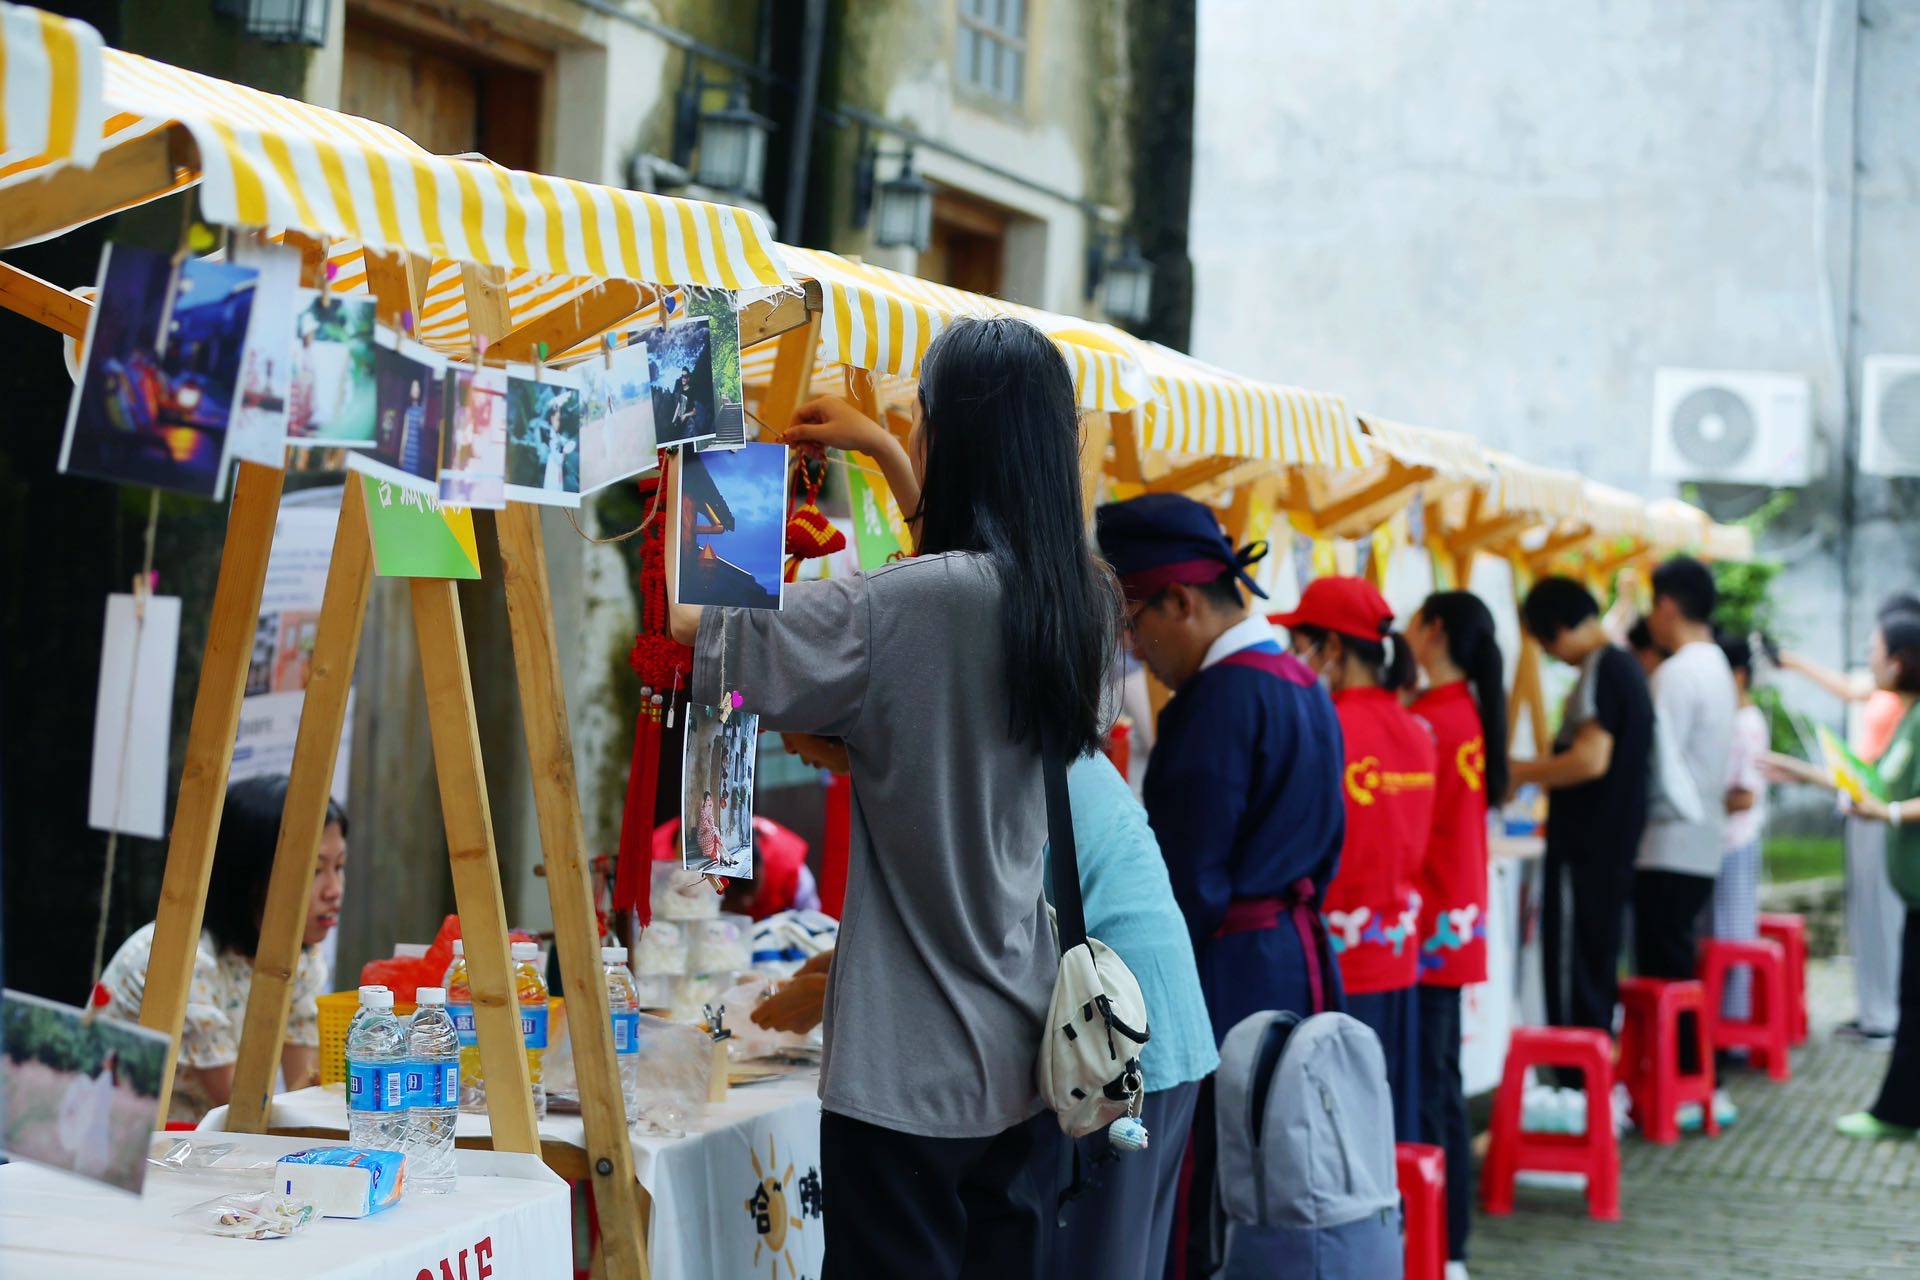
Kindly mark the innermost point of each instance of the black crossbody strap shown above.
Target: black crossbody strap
(1070, 913)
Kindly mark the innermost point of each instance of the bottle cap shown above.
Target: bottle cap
(370, 989)
(379, 999)
(459, 948)
(526, 951)
(613, 955)
(430, 995)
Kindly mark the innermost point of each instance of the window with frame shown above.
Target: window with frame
(991, 55)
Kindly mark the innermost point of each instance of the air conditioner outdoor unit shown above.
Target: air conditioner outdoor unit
(1732, 427)
(1890, 416)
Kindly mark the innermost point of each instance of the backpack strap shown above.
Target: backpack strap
(1070, 914)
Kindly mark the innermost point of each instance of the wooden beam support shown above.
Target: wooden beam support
(130, 174)
(1096, 432)
(613, 304)
(489, 312)
(203, 779)
(1465, 542)
(770, 317)
(1126, 447)
(43, 303)
(323, 712)
(476, 865)
(791, 384)
(1361, 506)
(576, 931)
(1541, 558)
(397, 282)
(1182, 478)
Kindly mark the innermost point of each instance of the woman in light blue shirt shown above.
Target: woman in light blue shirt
(1120, 1223)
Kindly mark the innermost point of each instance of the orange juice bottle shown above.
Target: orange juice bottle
(531, 989)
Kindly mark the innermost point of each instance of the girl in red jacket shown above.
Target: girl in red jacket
(1452, 639)
(1343, 630)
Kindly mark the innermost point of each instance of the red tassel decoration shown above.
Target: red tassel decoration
(810, 534)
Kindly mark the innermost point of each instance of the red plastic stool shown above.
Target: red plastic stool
(1763, 1034)
(1790, 932)
(1650, 1054)
(1596, 1153)
(1423, 1190)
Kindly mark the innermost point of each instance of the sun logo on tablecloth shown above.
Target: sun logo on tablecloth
(767, 1206)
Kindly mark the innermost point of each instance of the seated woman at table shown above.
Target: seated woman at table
(942, 674)
(223, 966)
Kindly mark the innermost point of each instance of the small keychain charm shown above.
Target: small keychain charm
(1127, 1134)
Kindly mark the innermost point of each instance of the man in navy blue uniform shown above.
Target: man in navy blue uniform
(1242, 787)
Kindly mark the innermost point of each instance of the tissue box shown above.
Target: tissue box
(341, 1182)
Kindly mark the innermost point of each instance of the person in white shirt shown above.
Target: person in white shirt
(1736, 895)
(1695, 699)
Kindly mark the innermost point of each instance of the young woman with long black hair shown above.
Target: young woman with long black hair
(1465, 704)
(942, 675)
(1342, 628)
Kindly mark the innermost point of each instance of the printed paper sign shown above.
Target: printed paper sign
(416, 536)
(133, 717)
(879, 531)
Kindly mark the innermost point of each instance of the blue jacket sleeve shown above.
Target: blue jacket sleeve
(1197, 786)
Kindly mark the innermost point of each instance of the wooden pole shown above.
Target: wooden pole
(203, 780)
(1097, 433)
(543, 709)
(791, 384)
(323, 711)
(1126, 447)
(476, 865)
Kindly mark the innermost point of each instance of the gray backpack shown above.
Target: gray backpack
(1306, 1188)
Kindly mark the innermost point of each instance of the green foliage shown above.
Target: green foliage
(61, 1039)
(1790, 858)
(1746, 596)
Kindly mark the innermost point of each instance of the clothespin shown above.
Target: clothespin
(539, 360)
(606, 348)
(406, 323)
(97, 999)
(716, 1022)
(143, 587)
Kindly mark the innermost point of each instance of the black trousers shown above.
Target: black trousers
(1899, 1101)
(900, 1205)
(1667, 907)
(1582, 920)
(1443, 1107)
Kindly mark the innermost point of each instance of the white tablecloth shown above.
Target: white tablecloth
(741, 1187)
(510, 1213)
(1512, 995)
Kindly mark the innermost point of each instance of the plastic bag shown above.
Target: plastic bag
(751, 1040)
(250, 1215)
(209, 1157)
(676, 1062)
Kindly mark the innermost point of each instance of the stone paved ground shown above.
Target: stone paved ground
(1779, 1195)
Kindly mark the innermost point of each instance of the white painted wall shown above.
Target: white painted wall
(1501, 216)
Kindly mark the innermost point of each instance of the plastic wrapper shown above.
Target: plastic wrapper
(676, 1062)
(680, 894)
(250, 1215)
(661, 950)
(722, 945)
(209, 1156)
(750, 1041)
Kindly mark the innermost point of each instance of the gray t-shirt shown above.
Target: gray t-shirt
(1695, 701)
(946, 958)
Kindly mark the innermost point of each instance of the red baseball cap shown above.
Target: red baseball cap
(1349, 606)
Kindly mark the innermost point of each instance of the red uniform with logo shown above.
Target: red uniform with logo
(1453, 878)
(1373, 909)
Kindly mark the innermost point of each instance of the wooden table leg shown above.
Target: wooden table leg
(203, 780)
(343, 612)
(576, 935)
(476, 865)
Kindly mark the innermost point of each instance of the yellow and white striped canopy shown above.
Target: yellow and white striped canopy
(1543, 491)
(274, 162)
(1200, 409)
(1613, 512)
(50, 103)
(1451, 454)
(1673, 525)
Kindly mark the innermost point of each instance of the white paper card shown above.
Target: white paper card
(133, 717)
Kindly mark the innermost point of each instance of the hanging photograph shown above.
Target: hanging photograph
(733, 516)
(266, 363)
(721, 310)
(410, 396)
(155, 398)
(616, 441)
(543, 437)
(680, 360)
(81, 1095)
(473, 465)
(716, 797)
(331, 402)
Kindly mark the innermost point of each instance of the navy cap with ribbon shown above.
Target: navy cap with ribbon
(1159, 539)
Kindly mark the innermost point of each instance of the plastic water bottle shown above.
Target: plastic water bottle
(532, 991)
(433, 1093)
(361, 1012)
(473, 1084)
(376, 1078)
(626, 1026)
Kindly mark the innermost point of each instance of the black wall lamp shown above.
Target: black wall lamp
(730, 142)
(1124, 279)
(279, 21)
(901, 208)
